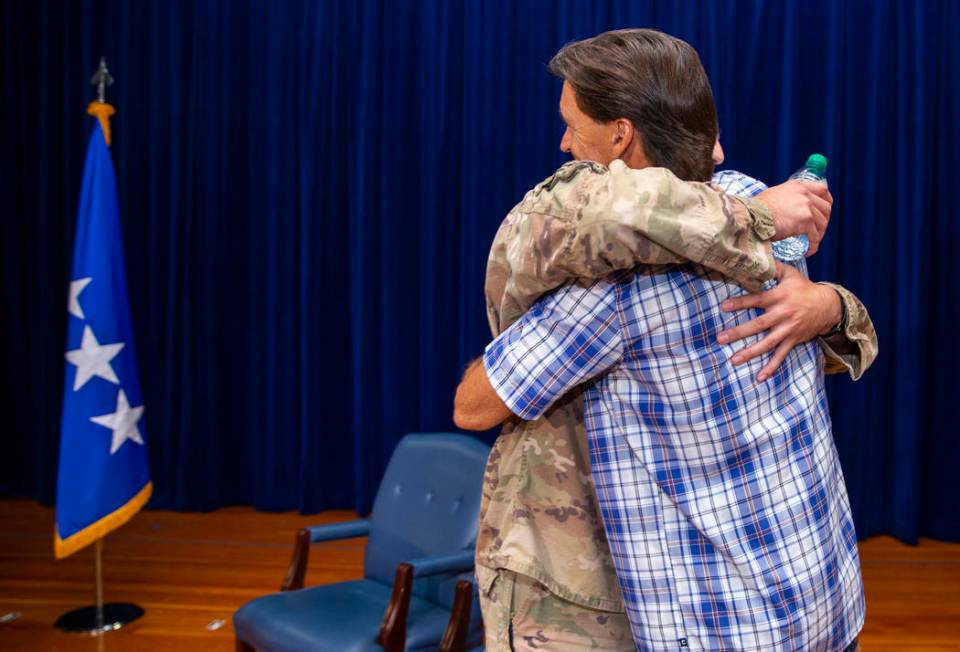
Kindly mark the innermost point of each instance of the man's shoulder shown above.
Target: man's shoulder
(568, 173)
(587, 296)
(655, 288)
(587, 191)
(583, 173)
(581, 297)
(737, 183)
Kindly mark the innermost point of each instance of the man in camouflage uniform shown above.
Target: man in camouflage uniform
(546, 576)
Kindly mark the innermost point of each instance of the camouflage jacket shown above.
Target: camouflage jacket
(539, 514)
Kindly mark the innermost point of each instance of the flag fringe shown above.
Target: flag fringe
(102, 112)
(66, 547)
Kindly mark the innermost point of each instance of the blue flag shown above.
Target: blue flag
(104, 477)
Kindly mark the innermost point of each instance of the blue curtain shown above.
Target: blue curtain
(308, 190)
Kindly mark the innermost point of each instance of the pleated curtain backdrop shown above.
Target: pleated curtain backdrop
(308, 190)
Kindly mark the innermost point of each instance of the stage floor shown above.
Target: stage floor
(189, 571)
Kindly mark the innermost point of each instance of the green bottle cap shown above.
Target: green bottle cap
(817, 163)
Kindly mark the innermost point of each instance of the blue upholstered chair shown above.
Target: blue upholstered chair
(421, 540)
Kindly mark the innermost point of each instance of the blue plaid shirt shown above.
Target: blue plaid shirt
(722, 498)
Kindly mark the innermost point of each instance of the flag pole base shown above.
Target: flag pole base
(84, 619)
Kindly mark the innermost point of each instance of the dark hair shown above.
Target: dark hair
(658, 83)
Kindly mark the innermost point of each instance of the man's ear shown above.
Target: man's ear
(623, 134)
(628, 145)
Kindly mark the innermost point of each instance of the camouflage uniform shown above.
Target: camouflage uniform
(539, 517)
(519, 613)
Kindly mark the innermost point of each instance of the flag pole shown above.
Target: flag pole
(98, 563)
(99, 617)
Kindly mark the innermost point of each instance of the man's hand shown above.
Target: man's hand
(795, 311)
(799, 207)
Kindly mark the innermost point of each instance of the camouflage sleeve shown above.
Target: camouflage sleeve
(855, 348)
(587, 221)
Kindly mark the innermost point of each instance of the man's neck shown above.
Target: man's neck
(634, 156)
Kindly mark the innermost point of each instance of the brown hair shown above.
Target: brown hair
(658, 83)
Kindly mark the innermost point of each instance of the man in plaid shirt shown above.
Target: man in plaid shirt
(722, 497)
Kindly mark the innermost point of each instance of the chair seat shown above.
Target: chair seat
(342, 617)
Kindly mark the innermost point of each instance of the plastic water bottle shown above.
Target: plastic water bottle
(795, 247)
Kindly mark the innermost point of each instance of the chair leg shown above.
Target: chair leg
(455, 636)
(297, 570)
(243, 646)
(393, 630)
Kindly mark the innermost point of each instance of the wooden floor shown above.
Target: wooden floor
(190, 571)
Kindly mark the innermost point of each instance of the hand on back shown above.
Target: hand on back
(796, 311)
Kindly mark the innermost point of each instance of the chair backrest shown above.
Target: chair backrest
(428, 503)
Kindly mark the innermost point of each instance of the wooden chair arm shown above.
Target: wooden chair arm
(393, 629)
(297, 570)
(455, 637)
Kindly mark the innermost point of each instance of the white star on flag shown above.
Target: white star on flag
(73, 303)
(92, 359)
(123, 423)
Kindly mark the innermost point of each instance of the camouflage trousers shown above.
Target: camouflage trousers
(519, 613)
